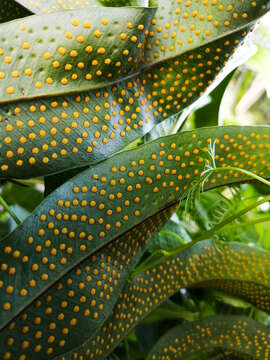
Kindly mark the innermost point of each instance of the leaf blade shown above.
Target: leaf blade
(190, 267)
(216, 332)
(48, 136)
(78, 304)
(49, 56)
(76, 215)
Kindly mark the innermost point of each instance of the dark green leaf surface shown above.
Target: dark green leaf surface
(44, 136)
(179, 26)
(52, 182)
(233, 333)
(101, 203)
(209, 115)
(170, 310)
(236, 268)
(10, 10)
(49, 135)
(74, 308)
(70, 51)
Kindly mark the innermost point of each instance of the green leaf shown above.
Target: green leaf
(4, 226)
(182, 25)
(52, 49)
(10, 10)
(258, 62)
(48, 135)
(200, 265)
(74, 308)
(107, 200)
(209, 115)
(170, 310)
(27, 197)
(230, 300)
(235, 333)
(52, 182)
(54, 137)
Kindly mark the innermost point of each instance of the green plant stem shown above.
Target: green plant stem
(172, 234)
(248, 223)
(237, 215)
(8, 209)
(127, 349)
(147, 264)
(243, 171)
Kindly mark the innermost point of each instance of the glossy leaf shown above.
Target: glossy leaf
(10, 10)
(52, 49)
(235, 268)
(48, 135)
(103, 202)
(180, 26)
(240, 334)
(76, 306)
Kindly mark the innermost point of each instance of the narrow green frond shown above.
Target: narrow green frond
(234, 333)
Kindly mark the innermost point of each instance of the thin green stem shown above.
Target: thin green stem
(245, 224)
(8, 209)
(127, 349)
(147, 264)
(237, 215)
(28, 181)
(172, 234)
(243, 171)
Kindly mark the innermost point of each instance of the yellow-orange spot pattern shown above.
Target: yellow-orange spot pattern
(102, 121)
(192, 267)
(76, 305)
(105, 201)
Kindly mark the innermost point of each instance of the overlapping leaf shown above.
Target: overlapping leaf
(235, 268)
(234, 333)
(178, 26)
(45, 136)
(103, 202)
(48, 135)
(70, 51)
(77, 305)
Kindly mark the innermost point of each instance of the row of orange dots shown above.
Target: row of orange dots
(150, 289)
(81, 296)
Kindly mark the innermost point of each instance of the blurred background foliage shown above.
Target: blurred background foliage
(243, 97)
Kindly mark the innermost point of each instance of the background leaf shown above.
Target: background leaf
(217, 332)
(193, 266)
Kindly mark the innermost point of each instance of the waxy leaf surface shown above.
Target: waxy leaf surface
(103, 202)
(235, 268)
(235, 333)
(186, 47)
